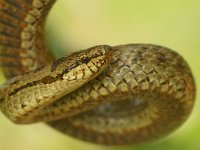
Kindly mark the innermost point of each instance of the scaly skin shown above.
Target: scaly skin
(126, 94)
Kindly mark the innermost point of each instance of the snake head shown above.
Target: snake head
(98, 55)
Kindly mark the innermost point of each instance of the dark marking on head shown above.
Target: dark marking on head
(57, 62)
(77, 56)
(50, 79)
(85, 60)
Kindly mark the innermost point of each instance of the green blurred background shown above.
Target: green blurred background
(78, 24)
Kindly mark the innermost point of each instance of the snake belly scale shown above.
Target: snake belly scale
(126, 94)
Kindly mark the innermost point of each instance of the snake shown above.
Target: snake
(109, 95)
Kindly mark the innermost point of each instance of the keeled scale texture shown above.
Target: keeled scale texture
(152, 86)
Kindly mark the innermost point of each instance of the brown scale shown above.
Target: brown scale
(127, 94)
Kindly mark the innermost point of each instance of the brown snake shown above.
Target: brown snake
(126, 94)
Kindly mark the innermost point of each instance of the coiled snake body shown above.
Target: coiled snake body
(125, 94)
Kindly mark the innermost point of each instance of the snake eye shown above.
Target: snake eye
(84, 60)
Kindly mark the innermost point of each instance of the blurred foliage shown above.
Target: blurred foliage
(78, 24)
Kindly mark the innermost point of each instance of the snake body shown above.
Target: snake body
(126, 94)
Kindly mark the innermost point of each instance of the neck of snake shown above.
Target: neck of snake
(21, 36)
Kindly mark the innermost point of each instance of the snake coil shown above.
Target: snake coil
(126, 94)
